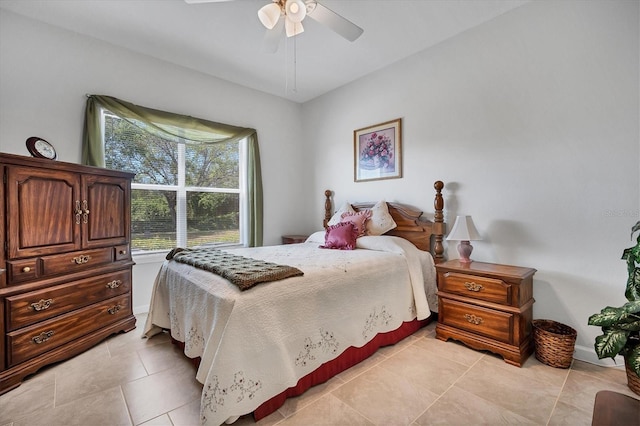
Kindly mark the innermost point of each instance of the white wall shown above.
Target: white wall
(45, 73)
(532, 121)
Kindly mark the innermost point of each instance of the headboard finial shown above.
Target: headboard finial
(327, 207)
(438, 222)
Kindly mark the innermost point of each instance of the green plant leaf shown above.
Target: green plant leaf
(632, 291)
(632, 307)
(611, 343)
(635, 228)
(607, 317)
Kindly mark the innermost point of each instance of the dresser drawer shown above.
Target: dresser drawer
(494, 324)
(488, 289)
(76, 261)
(29, 308)
(123, 252)
(39, 338)
(22, 270)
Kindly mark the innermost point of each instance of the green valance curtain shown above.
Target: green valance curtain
(177, 127)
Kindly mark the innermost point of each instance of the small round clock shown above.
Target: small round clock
(40, 148)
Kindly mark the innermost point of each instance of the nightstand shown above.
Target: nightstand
(294, 239)
(487, 306)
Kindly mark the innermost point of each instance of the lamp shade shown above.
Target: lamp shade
(269, 15)
(464, 230)
(295, 10)
(292, 28)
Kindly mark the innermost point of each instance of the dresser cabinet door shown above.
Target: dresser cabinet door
(105, 211)
(37, 200)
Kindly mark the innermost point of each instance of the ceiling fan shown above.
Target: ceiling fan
(291, 13)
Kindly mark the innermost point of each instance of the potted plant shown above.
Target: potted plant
(621, 326)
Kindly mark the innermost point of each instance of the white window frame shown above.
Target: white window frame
(181, 189)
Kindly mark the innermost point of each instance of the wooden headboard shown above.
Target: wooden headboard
(411, 226)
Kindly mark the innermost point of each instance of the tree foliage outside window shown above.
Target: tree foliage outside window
(183, 194)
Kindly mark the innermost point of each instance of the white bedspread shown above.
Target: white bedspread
(257, 343)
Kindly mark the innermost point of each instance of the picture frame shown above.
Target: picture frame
(377, 151)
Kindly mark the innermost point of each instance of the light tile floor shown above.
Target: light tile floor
(128, 380)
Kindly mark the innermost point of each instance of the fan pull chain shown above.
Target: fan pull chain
(294, 76)
(295, 65)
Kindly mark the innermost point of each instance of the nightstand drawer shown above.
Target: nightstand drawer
(494, 324)
(482, 288)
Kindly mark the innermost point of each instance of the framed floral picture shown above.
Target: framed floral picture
(378, 151)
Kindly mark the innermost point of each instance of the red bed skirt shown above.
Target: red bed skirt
(350, 357)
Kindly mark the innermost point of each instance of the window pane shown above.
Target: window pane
(212, 218)
(153, 220)
(214, 166)
(128, 147)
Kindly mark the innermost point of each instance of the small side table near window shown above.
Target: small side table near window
(294, 239)
(487, 306)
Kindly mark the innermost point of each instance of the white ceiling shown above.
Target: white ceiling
(225, 39)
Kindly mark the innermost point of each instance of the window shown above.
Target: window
(184, 194)
(198, 182)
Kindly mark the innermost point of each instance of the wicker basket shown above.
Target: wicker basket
(633, 381)
(554, 343)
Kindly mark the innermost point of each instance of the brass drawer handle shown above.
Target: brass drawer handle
(82, 259)
(473, 319)
(26, 269)
(42, 337)
(41, 305)
(78, 212)
(85, 211)
(123, 252)
(114, 284)
(471, 286)
(114, 310)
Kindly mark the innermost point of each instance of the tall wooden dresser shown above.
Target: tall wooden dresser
(65, 261)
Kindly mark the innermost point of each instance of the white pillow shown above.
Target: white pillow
(380, 220)
(337, 217)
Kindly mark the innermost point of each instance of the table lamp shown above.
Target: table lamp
(464, 231)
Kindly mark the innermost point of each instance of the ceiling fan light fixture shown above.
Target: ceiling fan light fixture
(295, 10)
(269, 15)
(293, 28)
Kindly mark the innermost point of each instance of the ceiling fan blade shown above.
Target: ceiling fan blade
(337, 23)
(272, 37)
(204, 1)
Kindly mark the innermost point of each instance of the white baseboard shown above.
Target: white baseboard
(137, 310)
(588, 354)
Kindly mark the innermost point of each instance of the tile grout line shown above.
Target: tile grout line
(449, 388)
(555, 404)
(124, 399)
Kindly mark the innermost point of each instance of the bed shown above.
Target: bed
(255, 348)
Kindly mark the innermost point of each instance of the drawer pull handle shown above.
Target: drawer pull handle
(26, 269)
(81, 260)
(471, 286)
(85, 211)
(123, 252)
(41, 305)
(42, 337)
(473, 319)
(78, 212)
(114, 309)
(114, 284)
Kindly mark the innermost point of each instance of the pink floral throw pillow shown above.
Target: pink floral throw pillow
(358, 219)
(341, 236)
